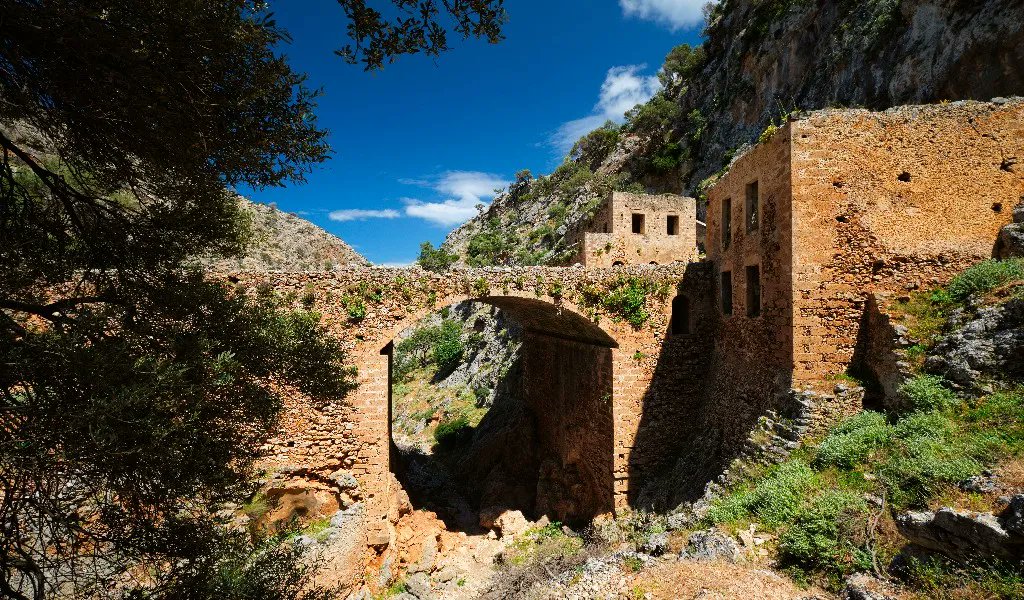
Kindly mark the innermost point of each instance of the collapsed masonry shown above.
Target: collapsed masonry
(836, 206)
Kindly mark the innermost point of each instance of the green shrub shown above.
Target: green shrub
(626, 298)
(668, 157)
(557, 211)
(454, 432)
(437, 259)
(774, 499)
(356, 310)
(984, 277)
(925, 425)
(595, 146)
(927, 392)
(491, 247)
(853, 440)
(682, 64)
(819, 535)
(924, 466)
(658, 113)
(448, 348)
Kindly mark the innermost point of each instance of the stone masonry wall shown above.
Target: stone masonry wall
(751, 364)
(609, 239)
(891, 202)
(323, 441)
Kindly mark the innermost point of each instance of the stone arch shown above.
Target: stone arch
(549, 451)
(342, 447)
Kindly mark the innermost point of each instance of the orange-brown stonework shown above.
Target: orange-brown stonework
(804, 227)
(851, 202)
(590, 371)
(630, 229)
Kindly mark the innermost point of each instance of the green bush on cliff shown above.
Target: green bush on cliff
(435, 259)
(454, 432)
(927, 392)
(985, 277)
(822, 535)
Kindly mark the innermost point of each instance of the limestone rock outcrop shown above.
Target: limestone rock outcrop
(990, 343)
(968, 535)
(1011, 238)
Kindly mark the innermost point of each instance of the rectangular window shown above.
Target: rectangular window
(753, 291)
(752, 208)
(726, 222)
(726, 292)
(673, 225)
(638, 223)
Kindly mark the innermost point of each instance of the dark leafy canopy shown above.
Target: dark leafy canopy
(417, 27)
(134, 391)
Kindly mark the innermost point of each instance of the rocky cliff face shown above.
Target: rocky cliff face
(761, 60)
(285, 242)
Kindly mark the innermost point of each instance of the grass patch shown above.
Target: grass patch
(985, 277)
(815, 500)
(538, 544)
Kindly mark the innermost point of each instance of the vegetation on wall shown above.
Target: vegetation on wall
(625, 298)
(912, 457)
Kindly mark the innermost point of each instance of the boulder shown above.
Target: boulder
(1010, 243)
(1012, 518)
(505, 522)
(656, 544)
(960, 534)
(711, 545)
(990, 344)
(861, 586)
(418, 586)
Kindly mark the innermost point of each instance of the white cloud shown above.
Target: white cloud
(624, 87)
(465, 189)
(460, 191)
(362, 214)
(675, 14)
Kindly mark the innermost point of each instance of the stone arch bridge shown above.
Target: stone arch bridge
(588, 372)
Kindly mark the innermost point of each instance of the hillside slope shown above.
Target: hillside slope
(285, 242)
(761, 60)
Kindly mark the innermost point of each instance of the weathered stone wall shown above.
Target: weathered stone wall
(854, 202)
(322, 441)
(890, 202)
(749, 372)
(608, 239)
(568, 388)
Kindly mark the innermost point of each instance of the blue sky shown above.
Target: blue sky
(418, 145)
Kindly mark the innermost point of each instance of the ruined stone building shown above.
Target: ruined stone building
(631, 229)
(803, 229)
(841, 204)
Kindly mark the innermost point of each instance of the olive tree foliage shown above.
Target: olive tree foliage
(135, 390)
(415, 26)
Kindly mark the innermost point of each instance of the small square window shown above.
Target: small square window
(638, 223)
(726, 222)
(752, 207)
(673, 225)
(753, 273)
(726, 292)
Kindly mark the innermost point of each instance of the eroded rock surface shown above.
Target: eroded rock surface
(965, 534)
